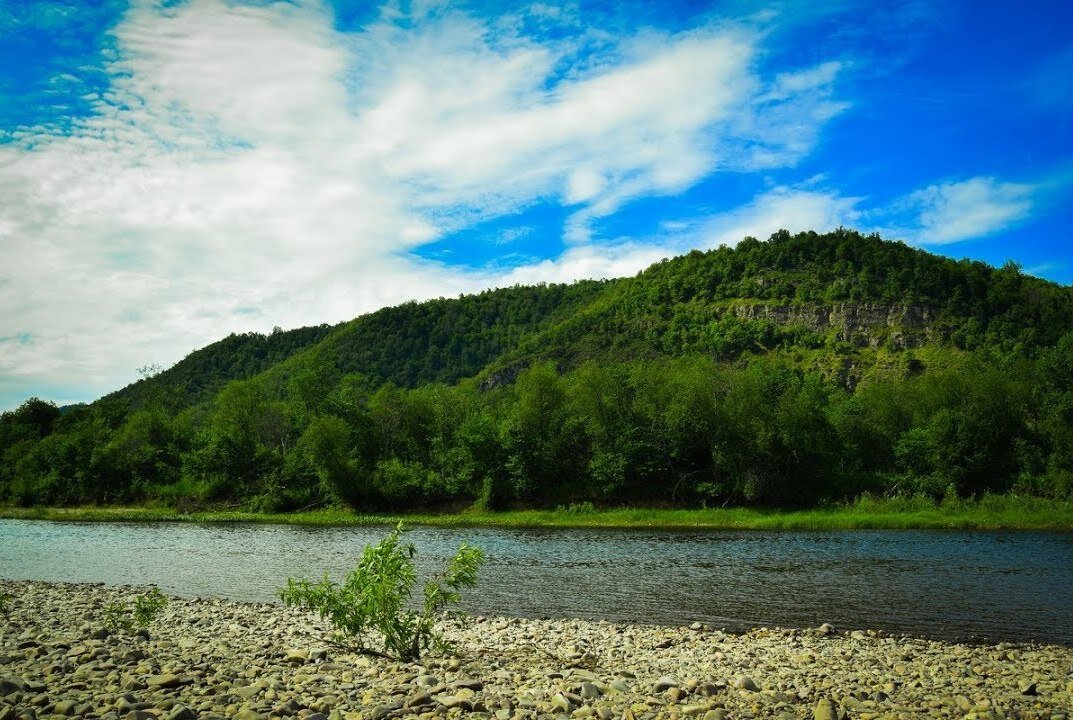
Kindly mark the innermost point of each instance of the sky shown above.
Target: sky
(172, 172)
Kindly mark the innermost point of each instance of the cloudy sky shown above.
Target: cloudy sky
(171, 172)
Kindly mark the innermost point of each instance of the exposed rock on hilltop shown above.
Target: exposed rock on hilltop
(913, 325)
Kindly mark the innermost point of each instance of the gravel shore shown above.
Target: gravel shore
(211, 658)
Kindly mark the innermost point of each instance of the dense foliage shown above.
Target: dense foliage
(800, 370)
(202, 373)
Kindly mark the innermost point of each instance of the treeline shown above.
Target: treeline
(445, 340)
(682, 432)
(795, 371)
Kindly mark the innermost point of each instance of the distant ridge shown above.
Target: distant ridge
(806, 289)
(800, 370)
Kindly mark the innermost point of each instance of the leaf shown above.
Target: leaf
(376, 595)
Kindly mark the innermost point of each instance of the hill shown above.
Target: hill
(202, 373)
(809, 291)
(792, 371)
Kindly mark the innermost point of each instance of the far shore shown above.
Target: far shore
(990, 513)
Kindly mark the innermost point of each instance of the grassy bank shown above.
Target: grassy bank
(990, 513)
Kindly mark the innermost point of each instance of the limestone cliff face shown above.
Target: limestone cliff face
(852, 317)
(861, 325)
(902, 326)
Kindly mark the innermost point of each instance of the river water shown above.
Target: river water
(1015, 586)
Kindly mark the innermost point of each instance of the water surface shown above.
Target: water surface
(953, 585)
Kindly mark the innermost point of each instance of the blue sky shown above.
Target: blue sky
(171, 172)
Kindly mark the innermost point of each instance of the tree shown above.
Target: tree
(328, 449)
(540, 436)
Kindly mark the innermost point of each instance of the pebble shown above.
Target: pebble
(825, 710)
(296, 657)
(382, 711)
(469, 684)
(674, 695)
(213, 659)
(455, 701)
(418, 699)
(561, 703)
(163, 681)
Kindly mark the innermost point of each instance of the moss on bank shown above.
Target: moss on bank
(1004, 512)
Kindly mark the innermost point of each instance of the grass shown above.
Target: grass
(998, 512)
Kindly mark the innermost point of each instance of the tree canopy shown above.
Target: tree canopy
(794, 371)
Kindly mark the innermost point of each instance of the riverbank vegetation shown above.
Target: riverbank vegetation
(121, 615)
(376, 598)
(992, 512)
(800, 373)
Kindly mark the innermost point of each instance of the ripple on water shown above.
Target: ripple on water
(968, 585)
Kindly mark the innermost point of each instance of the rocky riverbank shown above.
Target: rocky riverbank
(210, 658)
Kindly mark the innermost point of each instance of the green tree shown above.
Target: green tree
(329, 449)
(540, 437)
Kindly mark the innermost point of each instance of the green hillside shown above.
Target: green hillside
(443, 340)
(840, 291)
(202, 373)
(793, 371)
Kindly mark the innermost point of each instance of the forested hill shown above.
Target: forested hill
(794, 370)
(202, 373)
(838, 292)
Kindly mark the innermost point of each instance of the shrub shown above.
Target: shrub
(147, 606)
(577, 508)
(375, 598)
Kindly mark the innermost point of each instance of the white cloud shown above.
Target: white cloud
(792, 209)
(965, 210)
(253, 162)
(783, 208)
(615, 260)
(583, 184)
(1043, 268)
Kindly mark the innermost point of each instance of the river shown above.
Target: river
(1015, 586)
